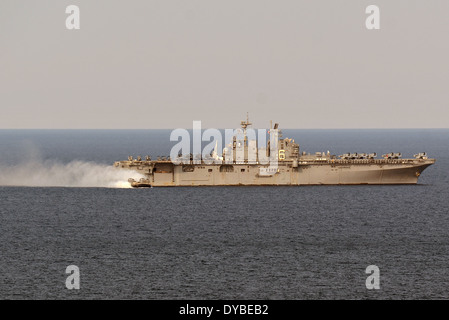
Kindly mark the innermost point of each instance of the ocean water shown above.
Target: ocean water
(61, 205)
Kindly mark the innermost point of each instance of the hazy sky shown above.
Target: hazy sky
(162, 64)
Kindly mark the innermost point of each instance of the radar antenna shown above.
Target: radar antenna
(246, 123)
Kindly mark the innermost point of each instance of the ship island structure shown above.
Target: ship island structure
(293, 168)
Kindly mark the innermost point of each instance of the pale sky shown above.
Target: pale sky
(162, 64)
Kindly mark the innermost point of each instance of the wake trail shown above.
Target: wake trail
(73, 174)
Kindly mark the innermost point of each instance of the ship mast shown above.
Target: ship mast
(244, 125)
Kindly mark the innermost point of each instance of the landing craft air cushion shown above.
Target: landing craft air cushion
(286, 166)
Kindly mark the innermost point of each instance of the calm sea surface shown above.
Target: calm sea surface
(57, 208)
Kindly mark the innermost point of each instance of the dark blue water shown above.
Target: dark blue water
(222, 242)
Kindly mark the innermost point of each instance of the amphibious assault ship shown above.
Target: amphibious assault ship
(279, 162)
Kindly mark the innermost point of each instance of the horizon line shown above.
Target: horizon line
(405, 128)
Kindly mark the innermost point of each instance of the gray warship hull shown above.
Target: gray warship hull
(332, 172)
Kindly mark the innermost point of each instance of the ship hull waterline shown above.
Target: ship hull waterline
(170, 175)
